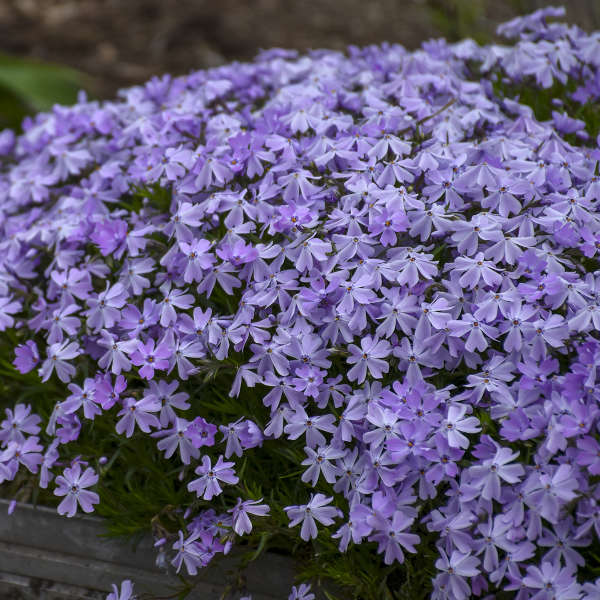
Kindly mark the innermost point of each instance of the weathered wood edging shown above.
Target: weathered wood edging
(44, 556)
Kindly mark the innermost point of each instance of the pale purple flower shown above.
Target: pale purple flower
(456, 425)
(309, 514)
(138, 412)
(58, 354)
(240, 512)
(369, 357)
(126, 592)
(207, 485)
(72, 484)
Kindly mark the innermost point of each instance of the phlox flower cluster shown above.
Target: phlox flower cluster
(397, 257)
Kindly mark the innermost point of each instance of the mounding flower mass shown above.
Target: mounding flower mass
(341, 304)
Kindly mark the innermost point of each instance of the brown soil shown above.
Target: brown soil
(122, 42)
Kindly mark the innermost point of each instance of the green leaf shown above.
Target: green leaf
(28, 86)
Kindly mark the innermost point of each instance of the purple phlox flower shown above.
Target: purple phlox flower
(333, 390)
(195, 551)
(351, 245)
(302, 592)
(131, 274)
(467, 235)
(494, 536)
(386, 425)
(510, 564)
(517, 320)
(456, 424)
(238, 253)
(411, 441)
(164, 393)
(387, 224)
(308, 379)
(501, 197)
(319, 462)
(586, 318)
(552, 581)
(509, 249)
(413, 264)
(70, 283)
(108, 394)
(221, 274)
(548, 491)
(250, 434)
(26, 453)
(306, 251)
(369, 357)
(475, 269)
(207, 485)
(176, 438)
(551, 331)
(198, 259)
(60, 321)
(579, 422)
(138, 412)
(540, 286)
(588, 454)
(104, 308)
(393, 538)
(590, 590)
(240, 435)
(487, 476)
(26, 356)
(58, 354)
(126, 592)
(308, 350)
(591, 239)
(85, 397)
(297, 185)
(149, 357)
(300, 423)
(182, 351)
(561, 540)
(293, 217)
(17, 423)
(213, 172)
(134, 321)
(454, 529)
(201, 433)
(315, 510)
(110, 236)
(240, 512)
(173, 298)
(496, 301)
(67, 160)
(115, 356)
(357, 292)
(414, 355)
(397, 311)
(478, 332)
(187, 215)
(454, 571)
(424, 221)
(48, 461)
(72, 484)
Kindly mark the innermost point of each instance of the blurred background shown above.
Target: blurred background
(51, 48)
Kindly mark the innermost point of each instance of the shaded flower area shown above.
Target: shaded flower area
(340, 305)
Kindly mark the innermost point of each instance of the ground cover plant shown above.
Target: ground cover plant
(340, 306)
